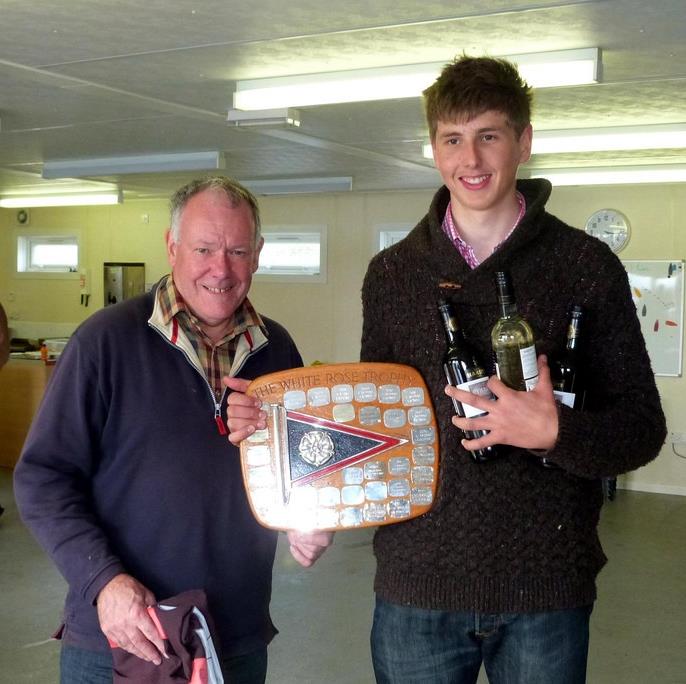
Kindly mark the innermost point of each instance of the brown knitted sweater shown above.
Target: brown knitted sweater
(510, 535)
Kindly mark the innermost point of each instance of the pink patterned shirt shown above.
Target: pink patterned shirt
(466, 250)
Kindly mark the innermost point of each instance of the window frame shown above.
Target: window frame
(26, 238)
(388, 234)
(271, 233)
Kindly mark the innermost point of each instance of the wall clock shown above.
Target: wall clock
(610, 226)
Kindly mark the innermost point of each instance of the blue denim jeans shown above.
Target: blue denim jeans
(81, 666)
(417, 646)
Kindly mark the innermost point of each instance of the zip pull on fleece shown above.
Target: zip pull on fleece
(221, 425)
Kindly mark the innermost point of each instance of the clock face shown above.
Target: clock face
(610, 226)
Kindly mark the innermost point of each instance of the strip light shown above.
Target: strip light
(608, 139)
(265, 117)
(541, 70)
(285, 186)
(62, 200)
(614, 175)
(652, 137)
(142, 163)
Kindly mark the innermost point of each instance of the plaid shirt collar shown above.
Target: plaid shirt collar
(173, 305)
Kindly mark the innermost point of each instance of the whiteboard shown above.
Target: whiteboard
(657, 288)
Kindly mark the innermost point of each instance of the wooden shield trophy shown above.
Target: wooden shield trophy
(346, 445)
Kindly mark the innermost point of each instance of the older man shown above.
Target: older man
(4, 338)
(127, 477)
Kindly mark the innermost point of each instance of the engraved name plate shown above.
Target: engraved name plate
(342, 394)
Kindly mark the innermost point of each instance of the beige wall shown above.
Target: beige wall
(325, 318)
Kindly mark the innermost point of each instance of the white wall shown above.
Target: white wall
(325, 318)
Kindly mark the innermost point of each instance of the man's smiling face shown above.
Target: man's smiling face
(478, 160)
(214, 258)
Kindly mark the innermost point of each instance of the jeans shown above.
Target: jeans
(418, 646)
(81, 666)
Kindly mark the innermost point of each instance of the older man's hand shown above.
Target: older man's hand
(122, 611)
(244, 413)
(306, 547)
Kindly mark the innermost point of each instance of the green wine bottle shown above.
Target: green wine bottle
(463, 370)
(566, 373)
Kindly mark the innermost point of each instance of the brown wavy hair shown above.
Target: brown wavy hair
(470, 86)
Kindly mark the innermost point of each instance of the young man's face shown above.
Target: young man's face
(214, 259)
(478, 160)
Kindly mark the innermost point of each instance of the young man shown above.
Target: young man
(502, 570)
(127, 478)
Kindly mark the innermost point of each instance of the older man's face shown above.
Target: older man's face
(214, 259)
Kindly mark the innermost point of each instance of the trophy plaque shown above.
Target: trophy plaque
(346, 445)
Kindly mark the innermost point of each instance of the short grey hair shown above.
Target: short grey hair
(235, 192)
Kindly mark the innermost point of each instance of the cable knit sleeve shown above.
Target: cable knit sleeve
(623, 426)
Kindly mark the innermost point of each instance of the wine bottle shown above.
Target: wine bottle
(565, 369)
(513, 341)
(464, 371)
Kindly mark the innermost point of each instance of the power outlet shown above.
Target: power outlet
(677, 437)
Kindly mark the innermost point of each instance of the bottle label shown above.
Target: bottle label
(566, 398)
(479, 388)
(527, 356)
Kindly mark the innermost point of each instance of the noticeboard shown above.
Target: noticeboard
(657, 288)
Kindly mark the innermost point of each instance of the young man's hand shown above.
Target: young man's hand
(523, 419)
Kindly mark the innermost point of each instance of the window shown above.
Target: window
(294, 253)
(47, 254)
(390, 233)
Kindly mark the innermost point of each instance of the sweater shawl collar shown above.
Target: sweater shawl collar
(430, 245)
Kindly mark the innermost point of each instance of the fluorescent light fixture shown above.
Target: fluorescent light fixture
(541, 70)
(649, 137)
(265, 117)
(607, 139)
(614, 175)
(560, 68)
(61, 200)
(143, 163)
(286, 186)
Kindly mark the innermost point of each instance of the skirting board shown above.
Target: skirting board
(652, 488)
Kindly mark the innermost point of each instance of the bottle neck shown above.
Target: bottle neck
(508, 306)
(452, 332)
(573, 334)
(506, 298)
(450, 326)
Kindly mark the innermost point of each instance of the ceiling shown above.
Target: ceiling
(95, 78)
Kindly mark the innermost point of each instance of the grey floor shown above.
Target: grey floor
(638, 628)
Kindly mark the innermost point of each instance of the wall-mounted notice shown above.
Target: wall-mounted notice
(657, 288)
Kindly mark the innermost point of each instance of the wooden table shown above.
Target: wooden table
(22, 383)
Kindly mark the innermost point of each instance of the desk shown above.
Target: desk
(22, 383)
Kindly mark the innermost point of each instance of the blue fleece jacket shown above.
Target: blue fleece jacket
(124, 470)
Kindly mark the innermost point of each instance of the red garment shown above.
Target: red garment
(183, 622)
